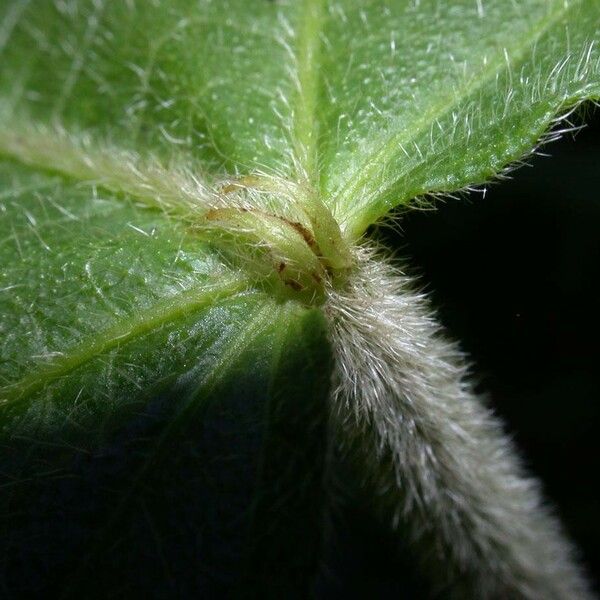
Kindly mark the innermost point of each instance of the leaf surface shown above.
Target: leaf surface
(127, 338)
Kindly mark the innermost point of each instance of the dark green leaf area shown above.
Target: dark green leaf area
(142, 386)
(191, 487)
(286, 528)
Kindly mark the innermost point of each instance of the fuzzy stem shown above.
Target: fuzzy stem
(438, 457)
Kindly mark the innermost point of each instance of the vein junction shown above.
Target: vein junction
(275, 229)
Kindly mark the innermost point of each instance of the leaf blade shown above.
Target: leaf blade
(432, 94)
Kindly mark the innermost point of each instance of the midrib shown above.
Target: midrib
(175, 190)
(122, 332)
(304, 108)
(354, 186)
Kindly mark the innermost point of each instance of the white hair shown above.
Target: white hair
(437, 456)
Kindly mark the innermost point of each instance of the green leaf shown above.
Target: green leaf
(436, 96)
(129, 337)
(125, 341)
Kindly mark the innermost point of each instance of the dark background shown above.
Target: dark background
(514, 275)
